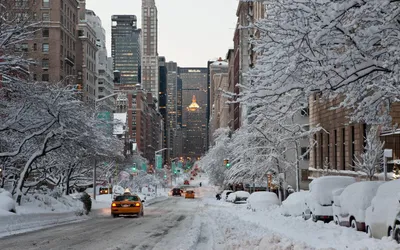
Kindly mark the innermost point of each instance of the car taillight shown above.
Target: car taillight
(113, 205)
(137, 204)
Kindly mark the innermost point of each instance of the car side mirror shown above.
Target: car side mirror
(143, 201)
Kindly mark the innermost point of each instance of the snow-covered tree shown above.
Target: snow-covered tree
(371, 160)
(346, 50)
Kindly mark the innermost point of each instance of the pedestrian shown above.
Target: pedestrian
(200, 184)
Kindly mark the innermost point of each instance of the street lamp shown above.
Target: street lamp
(95, 161)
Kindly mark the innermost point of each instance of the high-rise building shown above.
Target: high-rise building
(104, 83)
(172, 95)
(125, 48)
(194, 83)
(86, 51)
(150, 70)
(162, 101)
(53, 45)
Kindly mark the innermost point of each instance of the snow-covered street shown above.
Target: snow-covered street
(200, 224)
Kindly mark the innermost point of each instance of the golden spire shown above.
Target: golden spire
(193, 106)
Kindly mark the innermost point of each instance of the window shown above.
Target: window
(45, 63)
(45, 47)
(34, 47)
(45, 16)
(34, 77)
(304, 153)
(45, 32)
(304, 174)
(45, 77)
(46, 3)
(343, 148)
(335, 149)
(24, 47)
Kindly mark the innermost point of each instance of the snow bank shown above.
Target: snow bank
(277, 242)
(294, 205)
(7, 203)
(41, 203)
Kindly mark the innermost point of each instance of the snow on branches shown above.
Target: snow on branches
(339, 49)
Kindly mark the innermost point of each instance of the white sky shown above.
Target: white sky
(190, 31)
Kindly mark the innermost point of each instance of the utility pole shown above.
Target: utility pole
(94, 178)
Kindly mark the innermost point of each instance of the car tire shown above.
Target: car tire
(353, 224)
(396, 233)
(114, 215)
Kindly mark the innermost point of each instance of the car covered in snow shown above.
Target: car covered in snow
(238, 197)
(396, 225)
(382, 213)
(225, 194)
(127, 204)
(320, 199)
(351, 204)
(262, 201)
(294, 205)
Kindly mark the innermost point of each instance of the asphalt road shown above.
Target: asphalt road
(162, 222)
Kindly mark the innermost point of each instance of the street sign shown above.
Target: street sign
(159, 161)
(144, 167)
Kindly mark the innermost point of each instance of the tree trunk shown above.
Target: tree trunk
(70, 171)
(24, 174)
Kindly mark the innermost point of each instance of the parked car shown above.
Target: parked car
(396, 225)
(320, 199)
(262, 201)
(350, 206)
(225, 194)
(381, 215)
(294, 205)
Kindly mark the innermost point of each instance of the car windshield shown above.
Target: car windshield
(127, 197)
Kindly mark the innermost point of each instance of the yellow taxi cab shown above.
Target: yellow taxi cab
(127, 204)
(189, 194)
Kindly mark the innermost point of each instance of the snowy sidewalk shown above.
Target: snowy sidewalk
(293, 231)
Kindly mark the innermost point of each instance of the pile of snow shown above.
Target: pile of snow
(7, 203)
(53, 203)
(262, 200)
(294, 205)
(277, 242)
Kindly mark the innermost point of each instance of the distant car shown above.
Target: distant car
(176, 192)
(104, 190)
(262, 201)
(186, 182)
(294, 205)
(127, 204)
(225, 194)
(189, 194)
(191, 178)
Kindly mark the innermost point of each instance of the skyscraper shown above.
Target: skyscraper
(125, 48)
(150, 70)
(172, 98)
(194, 83)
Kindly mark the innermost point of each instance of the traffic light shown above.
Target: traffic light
(79, 87)
(226, 163)
(165, 176)
(134, 167)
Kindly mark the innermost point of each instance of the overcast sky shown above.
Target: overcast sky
(190, 31)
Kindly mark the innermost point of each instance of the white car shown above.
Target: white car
(350, 206)
(225, 194)
(262, 201)
(320, 199)
(294, 205)
(381, 215)
(238, 197)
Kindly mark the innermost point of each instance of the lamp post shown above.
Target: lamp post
(155, 163)
(95, 160)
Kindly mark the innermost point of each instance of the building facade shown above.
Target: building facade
(172, 95)
(162, 100)
(150, 69)
(125, 48)
(104, 83)
(86, 63)
(194, 83)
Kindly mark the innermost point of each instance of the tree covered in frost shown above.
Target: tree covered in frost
(338, 49)
(371, 160)
(48, 136)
